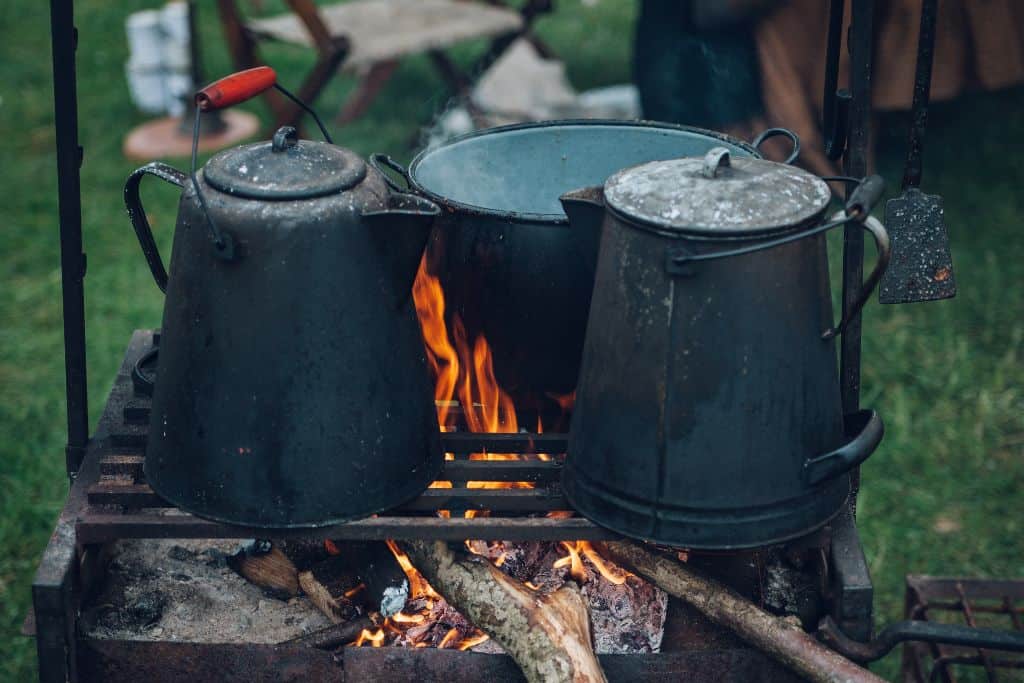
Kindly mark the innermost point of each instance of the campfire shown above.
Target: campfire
(469, 398)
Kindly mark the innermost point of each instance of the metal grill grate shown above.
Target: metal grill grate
(122, 505)
(975, 602)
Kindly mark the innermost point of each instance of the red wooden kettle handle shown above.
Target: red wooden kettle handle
(238, 87)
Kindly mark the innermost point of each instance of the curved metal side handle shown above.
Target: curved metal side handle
(794, 154)
(137, 214)
(919, 631)
(865, 430)
(377, 160)
(141, 380)
(877, 230)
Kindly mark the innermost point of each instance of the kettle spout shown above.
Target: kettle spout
(585, 207)
(400, 232)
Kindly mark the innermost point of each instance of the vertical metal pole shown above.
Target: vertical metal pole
(861, 46)
(193, 46)
(856, 165)
(852, 587)
(72, 258)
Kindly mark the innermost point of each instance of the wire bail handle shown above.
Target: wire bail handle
(225, 92)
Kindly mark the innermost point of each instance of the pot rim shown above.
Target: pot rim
(697, 233)
(549, 218)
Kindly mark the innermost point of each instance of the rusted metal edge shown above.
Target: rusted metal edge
(498, 500)
(55, 585)
(114, 661)
(944, 587)
(926, 595)
(132, 437)
(101, 528)
(852, 590)
(130, 465)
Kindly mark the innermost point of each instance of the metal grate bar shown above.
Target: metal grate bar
(464, 443)
(533, 471)
(130, 495)
(965, 606)
(101, 527)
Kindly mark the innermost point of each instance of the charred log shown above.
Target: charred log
(338, 609)
(335, 635)
(781, 639)
(267, 567)
(548, 635)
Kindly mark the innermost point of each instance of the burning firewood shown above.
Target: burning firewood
(266, 566)
(336, 634)
(548, 635)
(336, 608)
(779, 638)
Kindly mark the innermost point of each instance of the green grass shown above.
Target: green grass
(947, 376)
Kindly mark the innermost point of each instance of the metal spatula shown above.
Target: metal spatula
(921, 268)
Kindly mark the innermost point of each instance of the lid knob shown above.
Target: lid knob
(716, 159)
(285, 138)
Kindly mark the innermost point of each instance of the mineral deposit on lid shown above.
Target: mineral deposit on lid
(751, 194)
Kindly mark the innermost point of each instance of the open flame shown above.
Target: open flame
(414, 620)
(574, 560)
(467, 393)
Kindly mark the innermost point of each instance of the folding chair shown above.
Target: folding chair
(370, 37)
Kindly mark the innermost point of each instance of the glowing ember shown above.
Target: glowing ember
(414, 622)
(449, 638)
(472, 641)
(352, 591)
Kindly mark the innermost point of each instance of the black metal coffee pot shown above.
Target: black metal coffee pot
(292, 387)
(708, 412)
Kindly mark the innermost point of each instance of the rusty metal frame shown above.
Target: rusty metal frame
(65, 563)
(931, 598)
(114, 661)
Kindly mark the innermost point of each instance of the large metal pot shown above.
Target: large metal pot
(708, 411)
(292, 387)
(511, 264)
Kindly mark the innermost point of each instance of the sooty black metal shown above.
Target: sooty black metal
(708, 413)
(292, 388)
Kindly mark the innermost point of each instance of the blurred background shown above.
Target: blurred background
(943, 493)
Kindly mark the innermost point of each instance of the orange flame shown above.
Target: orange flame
(449, 638)
(464, 371)
(464, 376)
(418, 586)
(472, 641)
(574, 560)
(376, 638)
(444, 361)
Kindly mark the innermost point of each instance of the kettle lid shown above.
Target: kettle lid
(284, 168)
(717, 195)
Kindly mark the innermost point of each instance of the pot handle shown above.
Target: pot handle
(377, 160)
(858, 209)
(877, 230)
(137, 215)
(869, 429)
(794, 154)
